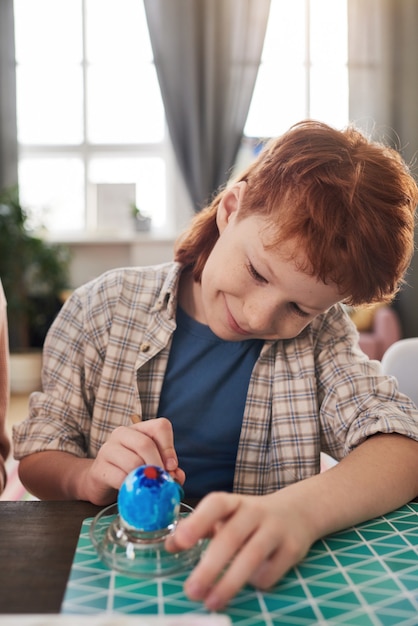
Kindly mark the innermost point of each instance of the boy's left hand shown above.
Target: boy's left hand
(255, 539)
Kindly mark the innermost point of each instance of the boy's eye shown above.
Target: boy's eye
(255, 274)
(298, 311)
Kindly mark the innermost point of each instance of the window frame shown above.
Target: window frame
(178, 207)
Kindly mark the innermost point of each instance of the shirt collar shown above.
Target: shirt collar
(167, 298)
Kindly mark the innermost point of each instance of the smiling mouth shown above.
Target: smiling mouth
(233, 324)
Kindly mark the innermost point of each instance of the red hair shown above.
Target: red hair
(346, 201)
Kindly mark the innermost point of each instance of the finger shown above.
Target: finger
(110, 475)
(128, 447)
(160, 430)
(147, 440)
(262, 561)
(121, 454)
(251, 557)
(210, 511)
(225, 549)
(275, 567)
(178, 475)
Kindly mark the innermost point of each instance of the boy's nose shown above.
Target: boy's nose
(263, 316)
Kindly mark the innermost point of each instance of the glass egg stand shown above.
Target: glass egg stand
(131, 545)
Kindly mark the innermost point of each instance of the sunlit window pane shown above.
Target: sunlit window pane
(328, 32)
(123, 33)
(123, 98)
(285, 34)
(56, 104)
(334, 108)
(48, 30)
(85, 77)
(279, 97)
(303, 71)
(52, 190)
(123, 106)
(328, 54)
(275, 108)
(149, 175)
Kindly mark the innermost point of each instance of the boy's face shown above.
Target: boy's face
(248, 291)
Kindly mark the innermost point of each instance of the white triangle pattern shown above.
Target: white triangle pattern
(366, 575)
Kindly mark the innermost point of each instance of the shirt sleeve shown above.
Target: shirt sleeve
(356, 399)
(91, 359)
(60, 414)
(4, 387)
(88, 374)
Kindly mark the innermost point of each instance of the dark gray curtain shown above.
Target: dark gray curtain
(8, 132)
(383, 75)
(207, 54)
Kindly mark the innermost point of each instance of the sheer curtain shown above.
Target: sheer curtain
(207, 54)
(8, 132)
(383, 71)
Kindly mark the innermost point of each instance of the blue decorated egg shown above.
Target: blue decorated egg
(149, 499)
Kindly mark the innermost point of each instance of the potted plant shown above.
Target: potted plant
(33, 273)
(142, 222)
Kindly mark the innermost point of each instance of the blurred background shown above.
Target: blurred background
(112, 111)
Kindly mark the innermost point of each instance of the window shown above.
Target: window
(89, 109)
(90, 113)
(303, 72)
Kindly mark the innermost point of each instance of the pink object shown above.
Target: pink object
(386, 330)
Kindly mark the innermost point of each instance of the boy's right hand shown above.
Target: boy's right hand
(150, 442)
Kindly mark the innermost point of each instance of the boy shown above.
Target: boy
(244, 348)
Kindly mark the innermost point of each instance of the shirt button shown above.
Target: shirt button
(145, 347)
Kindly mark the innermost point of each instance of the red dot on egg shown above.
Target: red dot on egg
(151, 472)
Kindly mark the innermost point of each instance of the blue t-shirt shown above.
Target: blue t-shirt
(203, 395)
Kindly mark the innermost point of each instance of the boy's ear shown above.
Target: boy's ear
(230, 203)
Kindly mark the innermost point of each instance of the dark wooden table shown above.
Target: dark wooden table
(37, 544)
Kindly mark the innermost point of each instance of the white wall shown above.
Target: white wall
(96, 252)
(92, 258)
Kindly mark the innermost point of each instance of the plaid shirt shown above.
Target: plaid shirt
(105, 358)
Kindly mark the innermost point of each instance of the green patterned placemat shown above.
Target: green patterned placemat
(363, 576)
